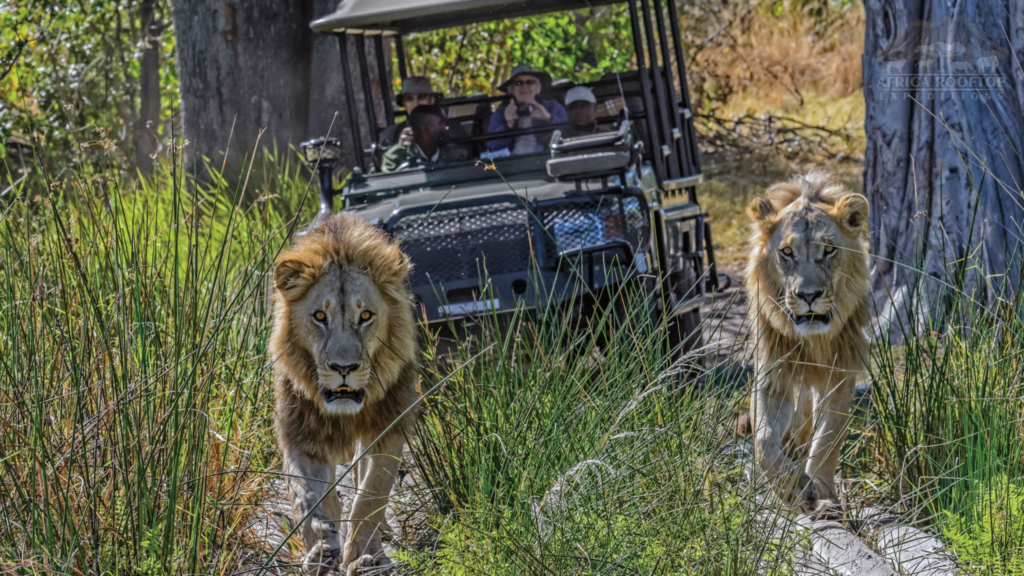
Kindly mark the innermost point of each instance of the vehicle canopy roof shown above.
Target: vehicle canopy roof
(404, 16)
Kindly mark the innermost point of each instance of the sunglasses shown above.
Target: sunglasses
(525, 82)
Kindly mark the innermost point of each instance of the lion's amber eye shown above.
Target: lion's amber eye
(787, 251)
(320, 316)
(366, 315)
(829, 249)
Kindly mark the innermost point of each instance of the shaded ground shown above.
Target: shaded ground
(724, 323)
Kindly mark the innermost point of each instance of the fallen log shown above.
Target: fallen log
(915, 552)
(842, 551)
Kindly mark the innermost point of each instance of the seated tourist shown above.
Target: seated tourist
(581, 108)
(430, 143)
(524, 110)
(416, 91)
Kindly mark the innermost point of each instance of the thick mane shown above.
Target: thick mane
(351, 244)
(766, 292)
(817, 187)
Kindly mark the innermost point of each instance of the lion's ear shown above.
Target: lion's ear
(851, 213)
(761, 210)
(293, 277)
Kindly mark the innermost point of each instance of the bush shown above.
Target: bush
(988, 536)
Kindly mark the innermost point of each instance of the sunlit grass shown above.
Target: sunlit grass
(135, 391)
(135, 407)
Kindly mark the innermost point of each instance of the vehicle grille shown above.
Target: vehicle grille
(459, 244)
(596, 220)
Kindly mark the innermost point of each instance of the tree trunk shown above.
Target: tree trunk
(148, 119)
(944, 88)
(257, 65)
(327, 91)
(243, 68)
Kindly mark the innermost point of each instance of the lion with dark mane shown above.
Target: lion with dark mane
(344, 349)
(807, 289)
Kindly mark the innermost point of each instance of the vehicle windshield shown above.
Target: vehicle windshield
(502, 88)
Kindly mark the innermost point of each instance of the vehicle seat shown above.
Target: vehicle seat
(477, 115)
(608, 95)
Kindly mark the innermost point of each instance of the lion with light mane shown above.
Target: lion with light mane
(344, 348)
(807, 288)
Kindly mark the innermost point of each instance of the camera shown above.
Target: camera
(523, 110)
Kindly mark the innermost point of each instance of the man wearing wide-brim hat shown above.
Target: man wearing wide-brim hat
(416, 91)
(524, 111)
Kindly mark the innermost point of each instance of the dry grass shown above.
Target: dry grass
(776, 78)
(777, 60)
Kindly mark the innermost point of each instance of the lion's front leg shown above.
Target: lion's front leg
(378, 471)
(832, 403)
(773, 407)
(308, 479)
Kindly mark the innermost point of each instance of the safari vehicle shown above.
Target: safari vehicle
(565, 224)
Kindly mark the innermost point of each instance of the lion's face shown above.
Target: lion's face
(343, 327)
(805, 249)
(337, 323)
(807, 254)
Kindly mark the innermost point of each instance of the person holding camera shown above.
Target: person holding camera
(525, 111)
(430, 145)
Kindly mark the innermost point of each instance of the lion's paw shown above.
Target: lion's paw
(805, 494)
(366, 564)
(321, 559)
(828, 509)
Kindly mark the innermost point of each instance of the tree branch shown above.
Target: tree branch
(14, 59)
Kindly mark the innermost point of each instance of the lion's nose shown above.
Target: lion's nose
(809, 297)
(344, 370)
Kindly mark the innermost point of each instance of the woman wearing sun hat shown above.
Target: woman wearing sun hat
(523, 111)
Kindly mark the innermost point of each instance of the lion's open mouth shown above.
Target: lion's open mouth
(343, 393)
(802, 319)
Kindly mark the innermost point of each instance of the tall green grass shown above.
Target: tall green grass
(136, 404)
(948, 408)
(134, 390)
(576, 451)
(135, 410)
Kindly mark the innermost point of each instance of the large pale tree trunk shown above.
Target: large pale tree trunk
(944, 86)
(251, 66)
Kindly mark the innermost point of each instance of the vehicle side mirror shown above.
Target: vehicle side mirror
(321, 152)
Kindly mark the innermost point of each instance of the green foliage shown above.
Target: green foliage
(988, 533)
(580, 46)
(133, 397)
(544, 455)
(74, 67)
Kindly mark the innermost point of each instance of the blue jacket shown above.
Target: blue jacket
(498, 124)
